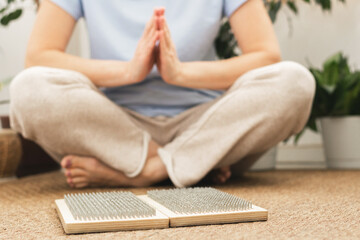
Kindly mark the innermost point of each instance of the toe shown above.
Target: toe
(66, 161)
(220, 179)
(228, 174)
(223, 179)
(80, 182)
(83, 162)
(225, 172)
(70, 182)
(224, 169)
(81, 185)
(75, 172)
(217, 179)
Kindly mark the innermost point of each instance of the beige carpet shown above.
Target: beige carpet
(301, 204)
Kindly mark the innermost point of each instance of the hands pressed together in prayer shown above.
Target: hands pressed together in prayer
(156, 47)
(148, 52)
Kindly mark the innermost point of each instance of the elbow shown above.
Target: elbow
(28, 63)
(34, 57)
(273, 56)
(30, 60)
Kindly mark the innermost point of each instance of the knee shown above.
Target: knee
(24, 80)
(298, 85)
(23, 88)
(297, 82)
(30, 89)
(39, 86)
(24, 94)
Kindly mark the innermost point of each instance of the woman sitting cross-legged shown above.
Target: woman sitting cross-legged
(153, 102)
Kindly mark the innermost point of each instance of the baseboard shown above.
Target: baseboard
(7, 179)
(309, 156)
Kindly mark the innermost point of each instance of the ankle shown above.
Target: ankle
(154, 171)
(152, 149)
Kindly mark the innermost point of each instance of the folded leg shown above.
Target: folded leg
(65, 113)
(262, 108)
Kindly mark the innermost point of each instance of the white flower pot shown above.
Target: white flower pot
(266, 162)
(341, 139)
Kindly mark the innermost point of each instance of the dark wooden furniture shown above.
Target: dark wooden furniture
(34, 159)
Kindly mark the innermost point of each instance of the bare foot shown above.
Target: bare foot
(85, 171)
(221, 175)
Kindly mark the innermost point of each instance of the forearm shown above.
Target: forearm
(103, 73)
(223, 73)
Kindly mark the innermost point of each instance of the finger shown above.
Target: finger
(155, 38)
(159, 11)
(150, 25)
(150, 42)
(153, 47)
(163, 36)
(158, 23)
(157, 56)
(150, 34)
(169, 41)
(162, 43)
(165, 28)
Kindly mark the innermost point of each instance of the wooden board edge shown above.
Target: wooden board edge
(72, 227)
(172, 219)
(176, 220)
(60, 215)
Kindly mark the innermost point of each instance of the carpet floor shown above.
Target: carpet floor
(301, 204)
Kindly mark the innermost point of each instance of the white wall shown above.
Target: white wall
(12, 47)
(13, 43)
(317, 34)
(313, 35)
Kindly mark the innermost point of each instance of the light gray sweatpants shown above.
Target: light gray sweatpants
(66, 114)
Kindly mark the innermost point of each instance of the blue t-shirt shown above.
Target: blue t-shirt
(115, 27)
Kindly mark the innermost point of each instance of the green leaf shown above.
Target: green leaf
(6, 81)
(225, 43)
(292, 6)
(297, 136)
(4, 102)
(335, 69)
(273, 8)
(5, 20)
(3, 9)
(325, 4)
(337, 89)
(312, 125)
(329, 88)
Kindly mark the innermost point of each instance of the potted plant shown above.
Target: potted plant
(337, 107)
(226, 47)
